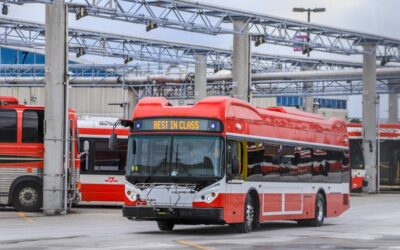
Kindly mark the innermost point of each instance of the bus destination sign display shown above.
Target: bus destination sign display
(177, 124)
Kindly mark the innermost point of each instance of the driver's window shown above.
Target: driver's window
(233, 159)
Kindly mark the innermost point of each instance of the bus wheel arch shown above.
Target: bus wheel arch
(31, 186)
(256, 202)
(322, 192)
(251, 208)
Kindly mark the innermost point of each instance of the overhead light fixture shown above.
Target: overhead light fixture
(217, 68)
(385, 60)
(4, 10)
(128, 59)
(259, 40)
(81, 52)
(82, 12)
(299, 10)
(151, 25)
(306, 49)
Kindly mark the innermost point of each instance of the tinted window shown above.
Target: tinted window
(357, 159)
(276, 162)
(8, 125)
(106, 160)
(32, 126)
(263, 161)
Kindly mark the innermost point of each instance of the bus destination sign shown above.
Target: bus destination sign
(177, 124)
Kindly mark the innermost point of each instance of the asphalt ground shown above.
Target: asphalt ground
(373, 222)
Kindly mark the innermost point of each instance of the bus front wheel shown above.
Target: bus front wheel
(27, 197)
(164, 225)
(249, 217)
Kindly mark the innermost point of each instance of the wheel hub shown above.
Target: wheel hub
(28, 196)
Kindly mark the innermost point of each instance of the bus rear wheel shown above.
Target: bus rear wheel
(28, 197)
(165, 225)
(319, 216)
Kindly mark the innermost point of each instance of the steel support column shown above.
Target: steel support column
(308, 101)
(369, 120)
(393, 102)
(56, 96)
(241, 61)
(200, 77)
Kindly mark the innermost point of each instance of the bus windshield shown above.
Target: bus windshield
(175, 155)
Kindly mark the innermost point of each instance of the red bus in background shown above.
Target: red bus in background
(224, 161)
(389, 138)
(22, 155)
(102, 170)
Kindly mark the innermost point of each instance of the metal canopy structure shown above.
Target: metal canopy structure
(31, 35)
(209, 19)
(181, 86)
(259, 89)
(213, 20)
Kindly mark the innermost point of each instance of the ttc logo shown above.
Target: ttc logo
(111, 179)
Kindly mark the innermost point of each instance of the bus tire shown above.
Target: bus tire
(319, 211)
(165, 225)
(319, 216)
(249, 217)
(28, 197)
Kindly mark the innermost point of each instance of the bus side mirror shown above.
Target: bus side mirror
(235, 166)
(112, 142)
(86, 146)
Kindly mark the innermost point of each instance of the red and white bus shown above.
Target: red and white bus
(22, 153)
(389, 167)
(102, 169)
(223, 161)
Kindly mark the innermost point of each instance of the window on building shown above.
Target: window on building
(32, 126)
(8, 125)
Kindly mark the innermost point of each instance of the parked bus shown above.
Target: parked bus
(389, 167)
(22, 155)
(102, 169)
(223, 161)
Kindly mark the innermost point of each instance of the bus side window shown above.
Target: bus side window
(233, 159)
(32, 126)
(8, 125)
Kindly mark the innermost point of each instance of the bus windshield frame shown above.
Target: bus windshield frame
(193, 156)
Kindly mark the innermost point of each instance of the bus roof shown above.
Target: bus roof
(12, 102)
(241, 118)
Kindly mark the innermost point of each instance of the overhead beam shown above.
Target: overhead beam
(31, 35)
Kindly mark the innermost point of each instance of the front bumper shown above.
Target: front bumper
(178, 215)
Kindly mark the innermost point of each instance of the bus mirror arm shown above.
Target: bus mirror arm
(125, 123)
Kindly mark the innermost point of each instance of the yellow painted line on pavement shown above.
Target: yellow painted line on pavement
(23, 216)
(192, 244)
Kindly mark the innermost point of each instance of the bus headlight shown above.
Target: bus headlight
(131, 192)
(209, 197)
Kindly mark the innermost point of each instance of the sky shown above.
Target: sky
(367, 16)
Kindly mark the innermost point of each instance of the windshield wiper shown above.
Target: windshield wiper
(165, 159)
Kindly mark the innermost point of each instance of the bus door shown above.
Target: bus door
(235, 182)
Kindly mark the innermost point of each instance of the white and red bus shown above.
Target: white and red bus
(389, 167)
(22, 153)
(102, 169)
(223, 161)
